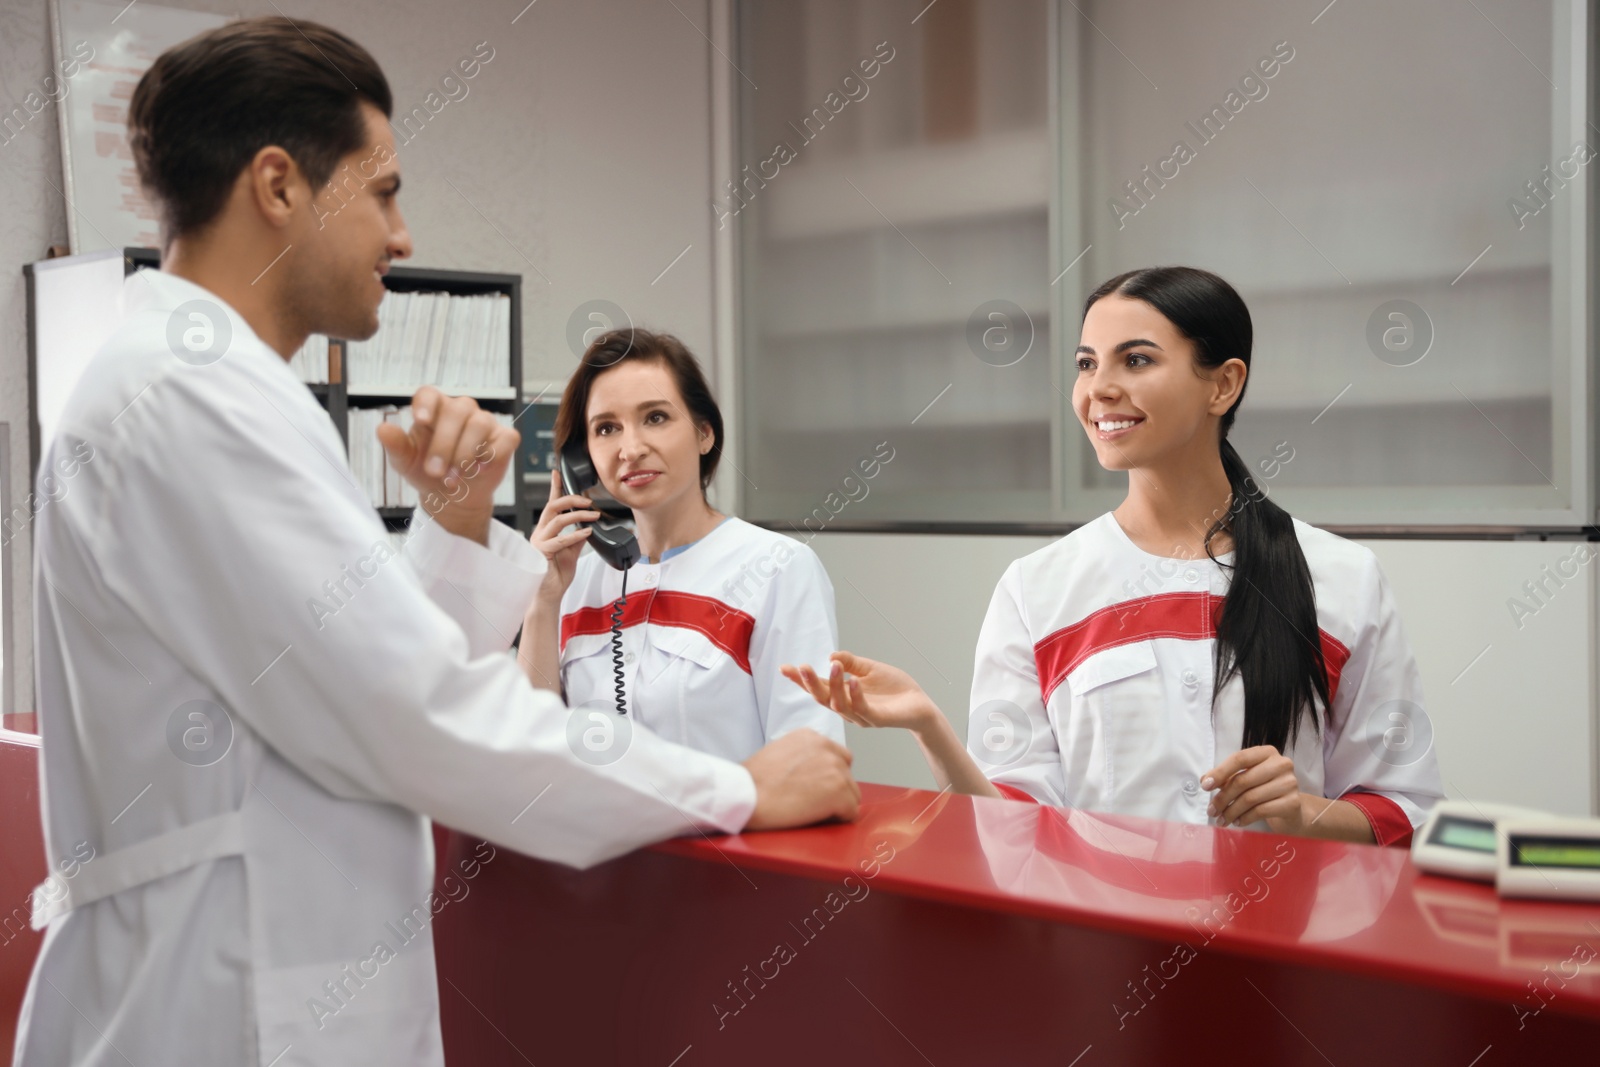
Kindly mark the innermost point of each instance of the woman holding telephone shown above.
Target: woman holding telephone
(684, 627)
(1195, 655)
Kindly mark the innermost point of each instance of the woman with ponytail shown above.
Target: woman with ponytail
(1196, 654)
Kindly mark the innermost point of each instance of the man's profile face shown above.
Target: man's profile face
(353, 230)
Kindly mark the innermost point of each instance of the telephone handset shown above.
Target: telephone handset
(611, 539)
(612, 542)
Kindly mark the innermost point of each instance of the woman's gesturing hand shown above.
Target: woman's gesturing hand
(867, 693)
(558, 537)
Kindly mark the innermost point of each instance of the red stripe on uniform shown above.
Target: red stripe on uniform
(1334, 657)
(1389, 823)
(598, 620)
(1184, 616)
(723, 626)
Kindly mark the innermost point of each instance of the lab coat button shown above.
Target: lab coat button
(1191, 576)
(1191, 679)
(1190, 786)
(628, 658)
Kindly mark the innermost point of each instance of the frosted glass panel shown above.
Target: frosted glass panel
(1364, 183)
(1400, 192)
(896, 179)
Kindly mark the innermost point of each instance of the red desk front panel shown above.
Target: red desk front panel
(22, 866)
(950, 931)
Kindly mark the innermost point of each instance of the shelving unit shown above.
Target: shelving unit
(339, 399)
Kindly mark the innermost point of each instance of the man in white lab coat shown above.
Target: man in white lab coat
(250, 704)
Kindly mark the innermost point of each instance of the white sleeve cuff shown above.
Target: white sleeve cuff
(486, 590)
(734, 799)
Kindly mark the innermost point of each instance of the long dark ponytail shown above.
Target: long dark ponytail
(1267, 629)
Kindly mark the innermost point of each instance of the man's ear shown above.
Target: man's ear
(276, 185)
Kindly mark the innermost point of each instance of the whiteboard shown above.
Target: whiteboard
(77, 306)
(101, 51)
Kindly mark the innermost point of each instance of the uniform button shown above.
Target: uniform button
(1191, 575)
(1191, 786)
(628, 658)
(650, 579)
(1190, 678)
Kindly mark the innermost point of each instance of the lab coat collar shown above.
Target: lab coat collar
(151, 290)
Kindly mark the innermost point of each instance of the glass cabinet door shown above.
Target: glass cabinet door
(1401, 194)
(895, 210)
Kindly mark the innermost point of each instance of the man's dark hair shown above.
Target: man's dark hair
(208, 105)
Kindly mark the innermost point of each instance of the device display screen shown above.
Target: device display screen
(1474, 835)
(1572, 853)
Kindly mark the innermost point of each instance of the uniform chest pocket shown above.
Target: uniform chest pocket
(586, 668)
(1115, 723)
(1104, 669)
(691, 651)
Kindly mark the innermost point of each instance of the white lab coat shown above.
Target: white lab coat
(1093, 683)
(703, 635)
(274, 906)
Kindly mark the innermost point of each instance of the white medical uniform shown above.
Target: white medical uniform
(704, 632)
(233, 911)
(1093, 684)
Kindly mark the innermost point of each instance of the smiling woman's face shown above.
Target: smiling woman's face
(1139, 394)
(645, 447)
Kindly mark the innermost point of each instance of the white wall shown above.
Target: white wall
(1517, 726)
(34, 218)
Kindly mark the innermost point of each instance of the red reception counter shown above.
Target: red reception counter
(949, 930)
(946, 930)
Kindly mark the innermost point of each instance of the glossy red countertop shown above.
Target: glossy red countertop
(1354, 908)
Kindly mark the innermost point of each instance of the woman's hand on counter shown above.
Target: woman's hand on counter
(1260, 783)
(1254, 784)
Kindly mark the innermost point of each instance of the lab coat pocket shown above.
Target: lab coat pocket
(1112, 665)
(682, 676)
(1116, 712)
(680, 648)
(586, 670)
(341, 953)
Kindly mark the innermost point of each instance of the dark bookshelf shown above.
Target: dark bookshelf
(336, 397)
